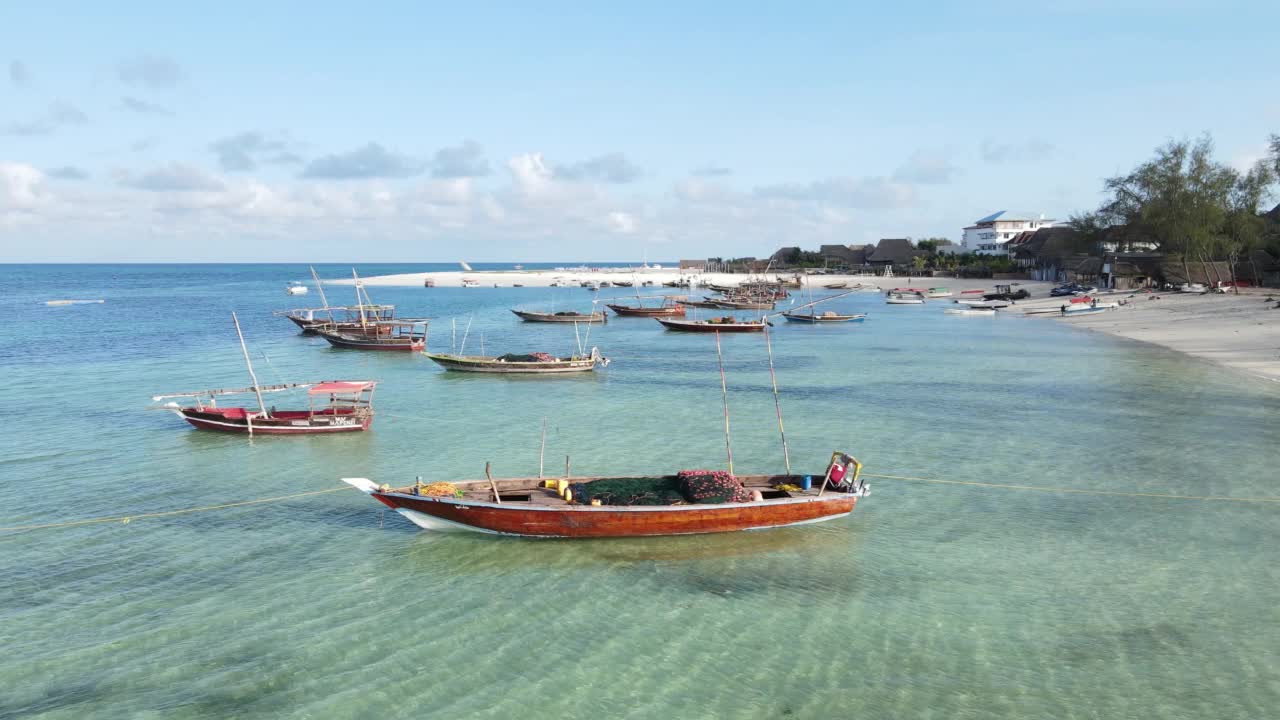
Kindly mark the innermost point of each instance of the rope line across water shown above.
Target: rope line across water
(126, 519)
(1078, 491)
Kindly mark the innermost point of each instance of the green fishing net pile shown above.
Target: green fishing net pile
(629, 491)
(704, 487)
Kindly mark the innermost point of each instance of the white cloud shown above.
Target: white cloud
(152, 71)
(997, 152)
(369, 161)
(173, 177)
(21, 187)
(622, 223)
(927, 167)
(58, 115)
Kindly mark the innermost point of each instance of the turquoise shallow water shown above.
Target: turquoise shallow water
(930, 601)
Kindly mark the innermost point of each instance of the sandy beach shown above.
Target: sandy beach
(1236, 331)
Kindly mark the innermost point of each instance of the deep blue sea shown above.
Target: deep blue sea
(930, 601)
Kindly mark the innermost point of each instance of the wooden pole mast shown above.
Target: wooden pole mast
(256, 390)
(724, 393)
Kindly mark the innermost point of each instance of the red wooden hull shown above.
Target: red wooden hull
(624, 310)
(580, 521)
(235, 420)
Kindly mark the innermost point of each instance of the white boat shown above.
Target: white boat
(972, 311)
(1193, 288)
(867, 288)
(469, 283)
(996, 304)
(1087, 308)
(939, 292)
(296, 288)
(904, 300)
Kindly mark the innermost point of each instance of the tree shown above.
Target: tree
(1244, 227)
(1178, 198)
(1275, 155)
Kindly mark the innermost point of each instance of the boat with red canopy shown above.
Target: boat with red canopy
(333, 406)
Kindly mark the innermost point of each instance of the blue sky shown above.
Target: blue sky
(385, 132)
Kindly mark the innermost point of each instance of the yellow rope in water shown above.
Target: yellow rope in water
(1078, 491)
(125, 519)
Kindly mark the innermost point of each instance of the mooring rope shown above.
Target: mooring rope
(126, 519)
(1076, 491)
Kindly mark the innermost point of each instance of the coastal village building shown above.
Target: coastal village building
(892, 251)
(991, 234)
(694, 265)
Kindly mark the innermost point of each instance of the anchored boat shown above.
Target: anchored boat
(826, 317)
(722, 324)
(532, 363)
(672, 306)
(333, 406)
(524, 507)
(564, 316)
(402, 335)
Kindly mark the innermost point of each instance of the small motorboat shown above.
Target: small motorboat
(970, 302)
(469, 283)
(972, 311)
(904, 299)
(296, 287)
(939, 292)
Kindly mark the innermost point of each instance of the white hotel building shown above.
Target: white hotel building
(989, 235)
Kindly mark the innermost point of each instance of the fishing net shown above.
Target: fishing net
(711, 487)
(527, 357)
(629, 491)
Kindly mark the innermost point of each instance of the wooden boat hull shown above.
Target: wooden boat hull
(731, 305)
(624, 310)
(585, 521)
(220, 420)
(701, 326)
(819, 319)
(553, 318)
(351, 342)
(479, 365)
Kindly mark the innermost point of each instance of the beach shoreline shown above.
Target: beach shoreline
(1240, 332)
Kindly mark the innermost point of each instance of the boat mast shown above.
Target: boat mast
(724, 393)
(359, 303)
(256, 390)
(786, 452)
(320, 287)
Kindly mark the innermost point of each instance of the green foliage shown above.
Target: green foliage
(1189, 204)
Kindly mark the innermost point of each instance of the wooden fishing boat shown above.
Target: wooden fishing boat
(564, 316)
(536, 363)
(668, 308)
(396, 335)
(333, 406)
(836, 286)
(708, 303)
(524, 507)
(724, 324)
(746, 304)
(826, 317)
